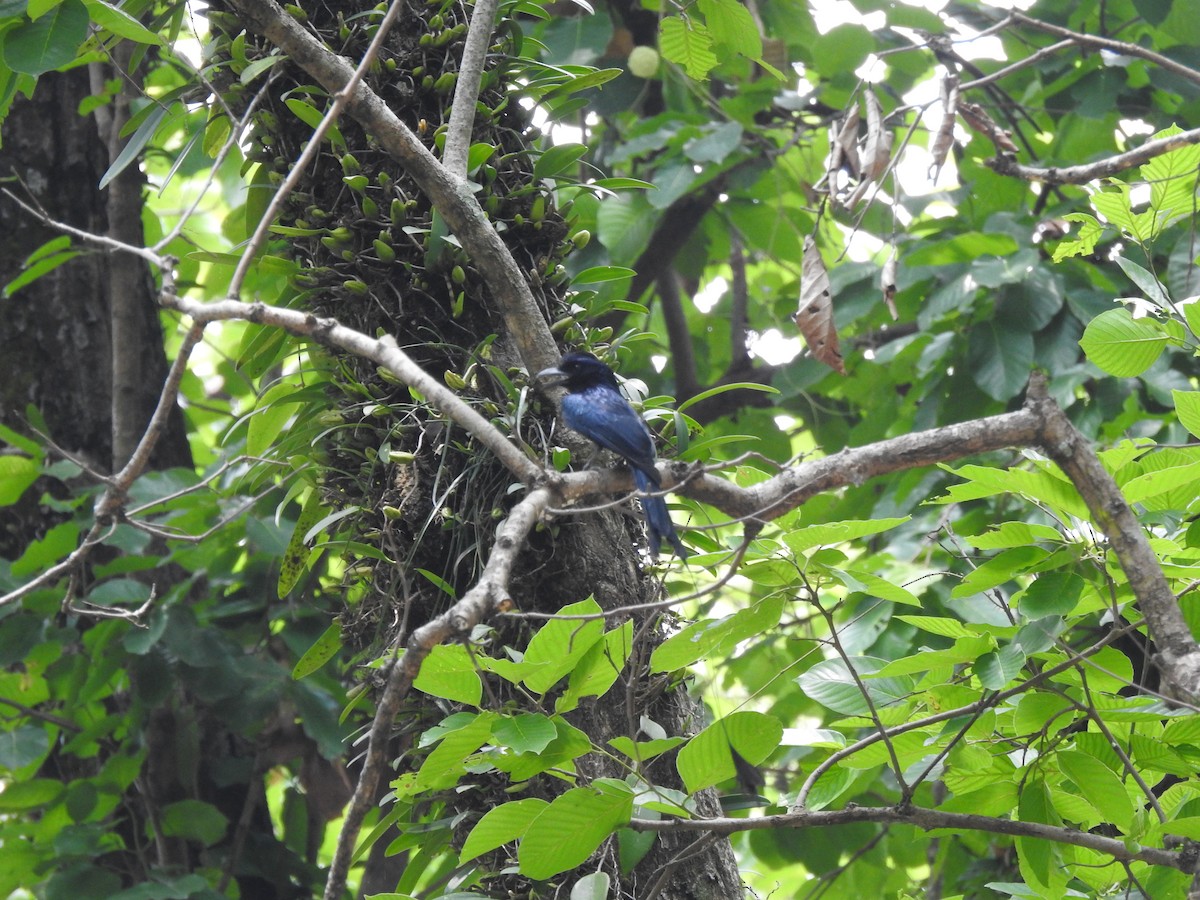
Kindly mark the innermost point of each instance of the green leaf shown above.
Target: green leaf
(831, 684)
(592, 887)
(598, 669)
(448, 761)
(1100, 786)
(705, 760)
(32, 794)
(1151, 286)
(1187, 407)
(560, 644)
(525, 733)
(120, 23)
(1001, 358)
(501, 825)
(556, 159)
(722, 388)
(17, 473)
(49, 42)
(706, 638)
(450, 672)
(1052, 594)
(298, 556)
(570, 829)
(830, 533)
(324, 649)
(1084, 243)
(717, 142)
(939, 625)
(1152, 484)
(1012, 534)
(1172, 179)
(137, 142)
(1113, 202)
(602, 275)
(1122, 345)
(688, 44)
(998, 668)
(962, 248)
(195, 821)
(732, 26)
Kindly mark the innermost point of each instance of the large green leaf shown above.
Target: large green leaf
(575, 823)
(49, 42)
(1122, 345)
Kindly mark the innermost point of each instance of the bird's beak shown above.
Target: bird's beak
(554, 372)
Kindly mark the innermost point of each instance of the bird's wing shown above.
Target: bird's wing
(604, 416)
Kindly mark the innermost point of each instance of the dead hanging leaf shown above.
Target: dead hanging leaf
(877, 152)
(814, 315)
(975, 116)
(944, 139)
(845, 147)
(888, 283)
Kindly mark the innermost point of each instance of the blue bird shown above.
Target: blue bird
(595, 407)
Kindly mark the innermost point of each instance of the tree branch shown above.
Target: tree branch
(928, 820)
(1103, 168)
(383, 351)
(466, 89)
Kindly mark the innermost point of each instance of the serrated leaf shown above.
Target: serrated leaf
(1172, 179)
(689, 44)
(1084, 243)
(731, 25)
(1121, 345)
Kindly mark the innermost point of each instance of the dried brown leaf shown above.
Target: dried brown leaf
(944, 139)
(814, 315)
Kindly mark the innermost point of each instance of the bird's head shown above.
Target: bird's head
(578, 370)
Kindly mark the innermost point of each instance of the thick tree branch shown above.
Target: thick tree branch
(383, 351)
(1063, 443)
(1103, 168)
(927, 819)
(524, 321)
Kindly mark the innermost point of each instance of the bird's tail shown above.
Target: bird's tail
(657, 517)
